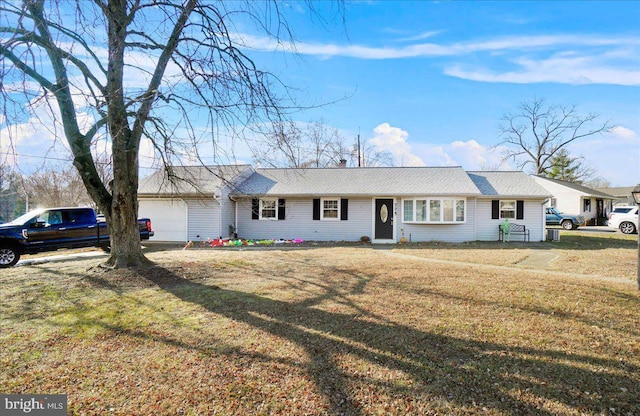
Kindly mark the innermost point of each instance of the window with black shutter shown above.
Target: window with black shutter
(344, 209)
(519, 210)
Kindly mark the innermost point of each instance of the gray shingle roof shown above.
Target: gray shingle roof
(359, 182)
(191, 180)
(580, 188)
(379, 181)
(508, 184)
(618, 191)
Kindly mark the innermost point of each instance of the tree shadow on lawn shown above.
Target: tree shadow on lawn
(447, 372)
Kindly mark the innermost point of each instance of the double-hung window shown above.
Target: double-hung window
(507, 209)
(433, 210)
(268, 209)
(330, 209)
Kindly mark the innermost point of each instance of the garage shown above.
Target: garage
(168, 218)
(203, 220)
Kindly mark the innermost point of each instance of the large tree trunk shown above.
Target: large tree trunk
(121, 211)
(122, 217)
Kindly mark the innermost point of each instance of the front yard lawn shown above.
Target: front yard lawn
(343, 330)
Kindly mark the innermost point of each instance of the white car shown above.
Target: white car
(625, 218)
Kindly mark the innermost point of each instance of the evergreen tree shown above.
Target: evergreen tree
(567, 168)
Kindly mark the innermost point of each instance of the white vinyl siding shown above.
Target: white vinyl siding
(299, 222)
(477, 224)
(487, 228)
(203, 220)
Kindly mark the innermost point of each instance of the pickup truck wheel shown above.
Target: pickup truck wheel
(627, 227)
(8, 256)
(567, 225)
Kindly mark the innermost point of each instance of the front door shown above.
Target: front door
(383, 219)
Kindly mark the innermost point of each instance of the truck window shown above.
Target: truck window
(51, 217)
(81, 216)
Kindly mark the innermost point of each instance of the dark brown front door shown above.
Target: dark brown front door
(384, 219)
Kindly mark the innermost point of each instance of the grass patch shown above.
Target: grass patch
(347, 330)
(579, 252)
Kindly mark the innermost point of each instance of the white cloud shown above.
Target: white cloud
(516, 43)
(40, 139)
(568, 59)
(394, 141)
(623, 132)
(470, 154)
(573, 70)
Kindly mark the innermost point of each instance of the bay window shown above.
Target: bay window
(433, 210)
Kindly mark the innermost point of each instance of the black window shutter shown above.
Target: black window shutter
(281, 211)
(344, 209)
(519, 210)
(495, 209)
(255, 209)
(316, 209)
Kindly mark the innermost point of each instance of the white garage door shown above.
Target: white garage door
(168, 218)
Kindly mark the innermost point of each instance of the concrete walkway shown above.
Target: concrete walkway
(61, 257)
(538, 259)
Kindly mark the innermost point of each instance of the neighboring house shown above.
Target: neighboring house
(194, 204)
(572, 198)
(342, 204)
(621, 194)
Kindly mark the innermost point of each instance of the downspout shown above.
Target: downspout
(475, 218)
(217, 199)
(235, 213)
(186, 219)
(544, 219)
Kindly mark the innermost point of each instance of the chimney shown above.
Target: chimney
(343, 163)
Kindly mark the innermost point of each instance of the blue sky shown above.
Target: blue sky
(430, 81)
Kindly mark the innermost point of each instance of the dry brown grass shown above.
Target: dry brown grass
(343, 330)
(579, 252)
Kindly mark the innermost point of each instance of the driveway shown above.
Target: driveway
(590, 229)
(60, 257)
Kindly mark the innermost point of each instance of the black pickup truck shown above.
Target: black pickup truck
(54, 228)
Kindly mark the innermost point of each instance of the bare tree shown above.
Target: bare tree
(138, 69)
(302, 145)
(57, 186)
(12, 197)
(316, 145)
(535, 134)
(372, 157)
